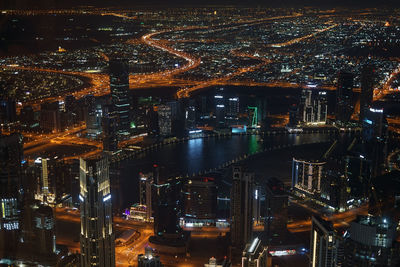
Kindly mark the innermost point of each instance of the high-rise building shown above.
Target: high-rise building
(167, 205)
(148, 259)
(257, 204)
(233, 108)
(255, 255)
(45, 177)
(45, 234)
(374, 138)
(367, 90)
(109, 127)
(50, 117)
(335, 190)
(241, 207)
(93, 121)
(165, 119)
(27, 116)
(314, 106)
(11, 153)
(70, 103)
(97, 235)
(166, 208)
(276, 204)
(7, 111)
(357, 171)
(190, 114)
(344, 97)
(220, 111)
(200, 200)
(177, 117)
(374, 125)
(307, 176)
(119, 86)
(293, 116)
(145, 193)
(324, 244)
(371, 242)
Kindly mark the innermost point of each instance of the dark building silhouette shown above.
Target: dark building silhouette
(27, 116)
(8, 112)
(110, 127)
(367, 90)
(44, 227)
(119, 86)
(374, 138)
(11, 192)
(167, 206)
(241, 207)
(200, 199)
(293, 115)
(276, 204)
(344, 97)
(50, 120)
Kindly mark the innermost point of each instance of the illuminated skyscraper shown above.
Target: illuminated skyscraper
(344, 97)
(219, 101)
(97, 236)
(314, 106)
(307, 176)
(255, 254)
(233, 106)
(367, 90)
(11, 152)
(145, 193)
(45, 177)
(241, 207)
(119, 86)
(324, 244)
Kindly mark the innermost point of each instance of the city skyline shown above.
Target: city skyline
(187, 134)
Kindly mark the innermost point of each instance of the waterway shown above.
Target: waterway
(202, 154)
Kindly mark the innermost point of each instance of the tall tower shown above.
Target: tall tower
(241, 207)
(344, 97)
(367, 90)
(119, 87)
(97, 236)
(11, 153)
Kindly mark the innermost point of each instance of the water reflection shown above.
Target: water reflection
(199, 155)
